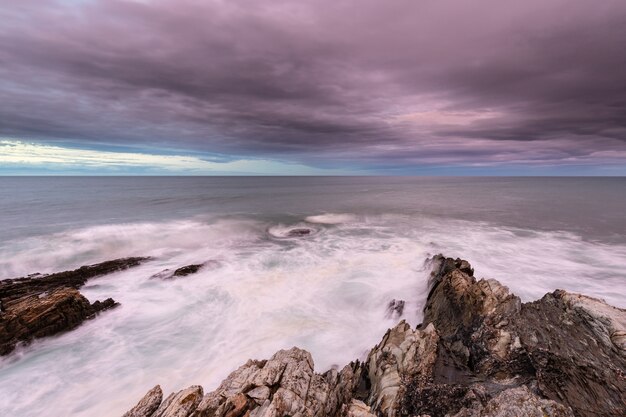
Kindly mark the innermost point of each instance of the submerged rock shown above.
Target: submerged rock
(300, 232)
(183, 271)
(479, 352)
(395, 308)
(187, 270)
(148, 404)
(43, 305)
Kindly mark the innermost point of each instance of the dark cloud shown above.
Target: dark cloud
(325, 82)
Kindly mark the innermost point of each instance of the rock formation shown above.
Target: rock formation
(11, 289)
(183, 271)
(39, 306)
(480, 352)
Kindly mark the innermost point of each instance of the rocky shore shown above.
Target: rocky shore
(43, 305)
(479, 352)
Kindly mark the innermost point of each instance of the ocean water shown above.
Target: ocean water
(326, 292)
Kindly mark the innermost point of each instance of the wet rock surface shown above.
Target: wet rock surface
(480, 352)
(44, 305)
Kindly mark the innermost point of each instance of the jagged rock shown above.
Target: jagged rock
(180, 404)
(46, 314)
(575, 343)
(283, 385)
(471, 317)
(44, 305)
(148, 404)
(402, 355)
(571, 345)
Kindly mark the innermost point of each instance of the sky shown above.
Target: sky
(319, 87)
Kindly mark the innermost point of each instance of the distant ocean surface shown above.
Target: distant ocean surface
(326, 292)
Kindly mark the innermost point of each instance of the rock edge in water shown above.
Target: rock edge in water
(479, 352)
(38, 306)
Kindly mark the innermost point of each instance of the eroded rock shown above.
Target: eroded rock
(35, 316)
(11, 289)
(148, 404)
(283, 385)
(180, 404)
(43, 305)
(402, 355)
(570, 345)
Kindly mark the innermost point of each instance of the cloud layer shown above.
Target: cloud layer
(386, 86)
(18, 157)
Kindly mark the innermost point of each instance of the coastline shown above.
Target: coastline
(479, 352)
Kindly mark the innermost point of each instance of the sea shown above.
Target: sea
(265, 290)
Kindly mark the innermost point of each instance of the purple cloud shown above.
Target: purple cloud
(327, 83)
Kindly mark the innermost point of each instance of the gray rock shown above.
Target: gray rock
(403, 354)
(359, 409)
(571, 345)
(180, 404)
(148, 404)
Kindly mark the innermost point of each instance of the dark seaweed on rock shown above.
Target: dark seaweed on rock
(479, 353)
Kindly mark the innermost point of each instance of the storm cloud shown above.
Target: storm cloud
(389, 86)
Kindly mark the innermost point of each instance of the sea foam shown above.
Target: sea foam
(325, 292)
